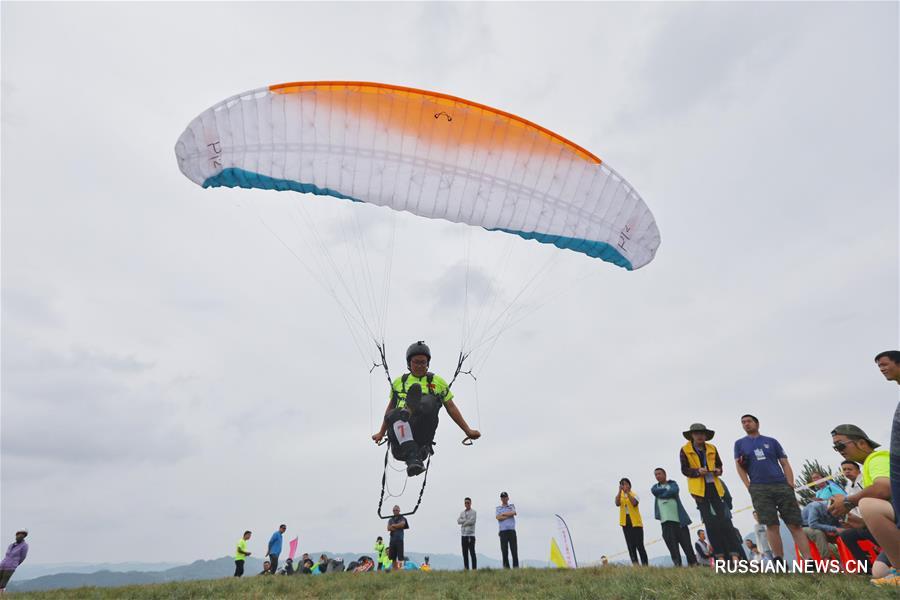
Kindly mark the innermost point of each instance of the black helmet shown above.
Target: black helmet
(416, 349)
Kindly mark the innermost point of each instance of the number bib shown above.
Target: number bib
(403, 432)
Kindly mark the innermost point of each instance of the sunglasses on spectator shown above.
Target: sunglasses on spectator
(839, 446)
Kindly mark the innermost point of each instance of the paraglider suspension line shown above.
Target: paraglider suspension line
(459, 365)
(384, 484)
(383, 363)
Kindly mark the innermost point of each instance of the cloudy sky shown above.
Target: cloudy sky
(171, 375)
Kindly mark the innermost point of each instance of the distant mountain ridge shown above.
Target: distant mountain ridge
(211, 569)
(31, 571)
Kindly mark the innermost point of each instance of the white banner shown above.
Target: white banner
(565, 543)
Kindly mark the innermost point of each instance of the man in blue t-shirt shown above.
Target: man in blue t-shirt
(765, 470)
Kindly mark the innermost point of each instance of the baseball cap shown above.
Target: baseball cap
(853, 431)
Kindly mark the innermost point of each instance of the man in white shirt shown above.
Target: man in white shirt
(466, 521)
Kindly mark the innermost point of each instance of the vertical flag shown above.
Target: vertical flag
(566, 546)
(293, 546)
(556, 556)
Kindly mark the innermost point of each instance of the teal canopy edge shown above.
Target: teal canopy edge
(233, 177)
(592, 248)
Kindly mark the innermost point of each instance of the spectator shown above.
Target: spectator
(889, 364)
(762, 541)
(306, 565)
(854, 526)
(853, 444)
(425, 565)
(876, 510)
(396, 526)
(630, 520)
(321, 566)
(766, 471)
(674, 520)
(702, 465)
(466, 521)
(267, 568)
(288, 567)
(701, 546)
(241, 553)
(826, 488)
(851, 472)
(604, 561)
(820, 526)
(506, 516)
(380, 552)
(738, 539)
(274, 550)
(752, 551)
(15, 556)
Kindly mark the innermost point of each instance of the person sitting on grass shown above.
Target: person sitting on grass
(752, 551)
(267, 566)
(702, 548)
(321, 566)
(820, 527)
(307, 565)
(288, 567)
(825, 489)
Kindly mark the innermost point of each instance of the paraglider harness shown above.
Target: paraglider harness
(423, 415)
(423, 433)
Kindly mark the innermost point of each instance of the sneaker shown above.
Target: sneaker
(891, 579)
(414, 467)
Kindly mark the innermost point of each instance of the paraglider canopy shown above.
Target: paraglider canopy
(427, 153)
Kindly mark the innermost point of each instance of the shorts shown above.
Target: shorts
(773, 499)
(395, 550)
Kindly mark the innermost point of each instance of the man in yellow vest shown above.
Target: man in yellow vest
(701, 464)
(411, 416)
(630, 520)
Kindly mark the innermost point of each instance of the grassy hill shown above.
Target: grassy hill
(121, 576)
(606, 582)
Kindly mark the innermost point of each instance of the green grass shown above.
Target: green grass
(606, 582)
